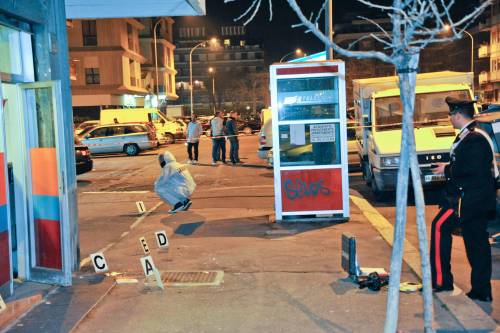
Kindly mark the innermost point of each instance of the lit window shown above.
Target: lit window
(243, 43)
(227, 42)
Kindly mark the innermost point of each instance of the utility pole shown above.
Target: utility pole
(329, 28)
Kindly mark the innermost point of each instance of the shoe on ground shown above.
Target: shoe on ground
(442, 288)
(224, 162)
(214, 163)
(194, 162)
(177, 207)
(483, 298)
(189, 162)
(186, 204)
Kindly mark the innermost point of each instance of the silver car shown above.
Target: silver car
(128, 138)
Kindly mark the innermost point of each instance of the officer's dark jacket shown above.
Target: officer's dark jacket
(469, 175)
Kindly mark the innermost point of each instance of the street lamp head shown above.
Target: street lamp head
(298, 51)
(214, 41)
(211, 69)
(446, 28)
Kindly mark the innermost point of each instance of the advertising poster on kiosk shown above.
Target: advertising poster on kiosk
(310, 141)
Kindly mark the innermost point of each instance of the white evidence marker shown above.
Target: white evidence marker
(3, 306)
(144, 245)
(149, 269)
(162, 239)
(99, 262)
(140, 207)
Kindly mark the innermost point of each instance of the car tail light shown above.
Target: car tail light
(84, 152)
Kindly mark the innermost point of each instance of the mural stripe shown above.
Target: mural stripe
(4, 258)
(48, 243)
(3, 218)
(44, 171)
(46, 208)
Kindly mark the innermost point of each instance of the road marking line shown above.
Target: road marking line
(465, 311)
(86, 260)
(118, 192)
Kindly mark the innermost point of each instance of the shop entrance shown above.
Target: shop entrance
(34, 222)
(35, 193)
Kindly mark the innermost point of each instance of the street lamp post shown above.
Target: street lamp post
(213, 41)
(447, 28)
(297, 52)
(212, 71)
(471, 57)
(156, 63)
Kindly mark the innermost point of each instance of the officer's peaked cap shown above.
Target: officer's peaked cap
(464, 106)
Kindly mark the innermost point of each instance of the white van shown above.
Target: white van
(378, 112)
(167, 130)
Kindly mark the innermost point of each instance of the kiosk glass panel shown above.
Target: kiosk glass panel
(308, 98)
(310, 144)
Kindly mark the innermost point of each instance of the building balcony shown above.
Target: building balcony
(489, 77)
(484, 51)
(484, 77)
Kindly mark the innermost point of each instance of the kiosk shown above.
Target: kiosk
(310, 141)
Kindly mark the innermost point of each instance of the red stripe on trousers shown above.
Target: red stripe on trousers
(437, 239)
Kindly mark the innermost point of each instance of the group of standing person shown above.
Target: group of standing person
(221, 130)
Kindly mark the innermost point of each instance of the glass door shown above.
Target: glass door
(5, 245)
(48, 218)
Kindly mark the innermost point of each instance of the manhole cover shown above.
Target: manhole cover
(191, 279)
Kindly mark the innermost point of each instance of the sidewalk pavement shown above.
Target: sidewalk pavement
(285, 281)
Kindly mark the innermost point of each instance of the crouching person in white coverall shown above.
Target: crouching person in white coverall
(175, 185)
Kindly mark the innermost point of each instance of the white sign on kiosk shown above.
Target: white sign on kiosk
(310, 141)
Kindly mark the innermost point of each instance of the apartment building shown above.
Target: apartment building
(489, 79)
(217, 72)
(113, 63)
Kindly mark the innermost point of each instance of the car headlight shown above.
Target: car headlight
(389, 161)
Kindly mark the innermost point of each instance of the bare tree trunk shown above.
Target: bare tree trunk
(407, 81)
(421, 228)
(422, 236)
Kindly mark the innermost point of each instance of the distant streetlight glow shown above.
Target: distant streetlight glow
(298, 52)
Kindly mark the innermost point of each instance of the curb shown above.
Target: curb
(20, 310)
(465, 311)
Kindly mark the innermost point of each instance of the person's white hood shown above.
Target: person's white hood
(166, 157)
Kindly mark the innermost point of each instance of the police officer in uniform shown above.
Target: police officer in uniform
(468, 203)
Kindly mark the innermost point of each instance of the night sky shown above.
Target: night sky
(277, 37)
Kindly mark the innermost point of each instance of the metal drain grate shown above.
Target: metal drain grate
(192, 279)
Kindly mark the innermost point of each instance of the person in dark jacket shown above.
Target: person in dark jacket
(232, 133)
(469, 202)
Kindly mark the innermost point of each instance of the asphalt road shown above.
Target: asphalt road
(108, 194)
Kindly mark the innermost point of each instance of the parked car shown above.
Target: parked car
(83, 158)
(249, 127)
(86, 124)
(129, 138)
(489, 121)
